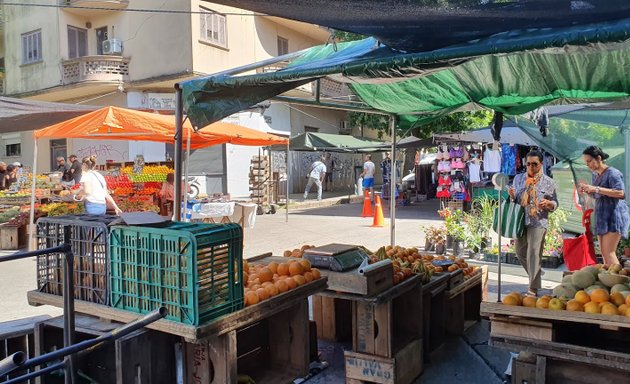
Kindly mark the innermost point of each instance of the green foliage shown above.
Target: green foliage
(553, 239)
(455, 225)
(348, 36)
(479, 220)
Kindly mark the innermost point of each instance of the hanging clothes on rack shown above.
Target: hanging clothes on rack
(491, 160)
(474, 169)
(508, 159)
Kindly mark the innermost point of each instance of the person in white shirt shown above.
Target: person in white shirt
(93, 191)
(368, 175)
(316, 176)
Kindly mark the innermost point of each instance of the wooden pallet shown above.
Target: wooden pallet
(13, 237)
(463, 302)
(433, 306)
(403, 368)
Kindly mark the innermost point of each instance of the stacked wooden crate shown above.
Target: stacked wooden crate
(260, 180)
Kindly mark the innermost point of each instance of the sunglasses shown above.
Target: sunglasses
(533, 164)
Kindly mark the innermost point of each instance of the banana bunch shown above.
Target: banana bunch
(425, 273)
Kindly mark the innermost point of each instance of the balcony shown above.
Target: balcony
(96, 69)
(93, 7)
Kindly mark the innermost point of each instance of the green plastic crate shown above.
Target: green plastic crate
(194, 270)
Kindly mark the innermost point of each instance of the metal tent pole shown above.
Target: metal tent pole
(286, 213)
(499, 253)
(626, 136)
(185, 192)
(392, 192)
(179, 123)
(33, 187)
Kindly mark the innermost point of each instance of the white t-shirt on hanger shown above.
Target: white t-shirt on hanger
(492, 161)
(474, 169)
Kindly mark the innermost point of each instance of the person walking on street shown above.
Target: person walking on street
(330, 166)
(536, 193)
(316, 176)
(368, 175)
(611, 210)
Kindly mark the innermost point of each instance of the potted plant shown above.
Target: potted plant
(456, 228)
(483, 210)
(439, 239)
(429, 234)
(624, 247)
(445, 213)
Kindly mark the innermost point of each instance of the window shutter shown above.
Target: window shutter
(222, 31)
(72, 43)
(203, 33)
(82, 37)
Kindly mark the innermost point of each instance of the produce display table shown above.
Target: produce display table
(463, 302)
(563, 346)
(274, 335)
(228, 212)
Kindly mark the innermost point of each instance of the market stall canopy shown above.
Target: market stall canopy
(18, 115)
(414, 142)
(511, 73)
(327, 142)
(114, 123)
(421, 25)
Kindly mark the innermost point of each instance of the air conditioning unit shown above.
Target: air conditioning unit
(112, 47)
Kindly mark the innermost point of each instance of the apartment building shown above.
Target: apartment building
(114, 52)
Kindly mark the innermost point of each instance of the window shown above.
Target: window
(283, 46)
(213, 28)
(310, 129)
(13, 150)
(101, 36)
(77, 42)
(32, 47)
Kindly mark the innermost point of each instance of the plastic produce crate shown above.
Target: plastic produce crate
(194, 270)
(89, 240)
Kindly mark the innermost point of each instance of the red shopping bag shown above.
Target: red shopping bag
(580, 251)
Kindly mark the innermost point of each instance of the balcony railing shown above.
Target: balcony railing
(91, 7)
(96, 68)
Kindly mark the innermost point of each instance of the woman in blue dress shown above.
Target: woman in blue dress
(611, 211)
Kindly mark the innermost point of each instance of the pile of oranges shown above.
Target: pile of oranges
(265, 281)
(598, 301)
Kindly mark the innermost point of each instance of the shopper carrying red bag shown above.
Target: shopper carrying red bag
(580, 251)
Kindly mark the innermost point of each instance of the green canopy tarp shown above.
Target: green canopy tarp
(511, 72)
(327, 142)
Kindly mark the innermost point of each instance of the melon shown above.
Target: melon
(625, 293)
(566, 291)
(618, 288)
(592, 269)
(583, 279)
(568, 279)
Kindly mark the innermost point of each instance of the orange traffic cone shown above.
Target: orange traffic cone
(367, 205)
(379, 220)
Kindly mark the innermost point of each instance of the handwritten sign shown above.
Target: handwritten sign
(368, 369)
(199, 364)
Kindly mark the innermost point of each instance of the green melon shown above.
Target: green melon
(625, 293)
(568, 279)
(583, 279)
(592, 269)
(618, 288)
(566, 291)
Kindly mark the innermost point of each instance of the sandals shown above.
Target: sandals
(532, 292)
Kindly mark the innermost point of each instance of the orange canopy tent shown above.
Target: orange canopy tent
(114, 123)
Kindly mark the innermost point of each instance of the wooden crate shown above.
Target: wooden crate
(433, 308)
(143, 356)
(13, 237)
(462, 305)
(402, 368)
(274, 350)
(457, 278)
(333, 318)
(19, 336)
(572, 344)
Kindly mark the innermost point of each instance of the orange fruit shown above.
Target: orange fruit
(262, 294)
(622, 309)
(305, 264)
(283, 269)
(273, 266)
(245, 265)
(252, 276)
(543, 302)
(529, 301)
(308, 276)
(628, 300)
(291, 282)
(609, 309)
(282, 286)
(316, 273)
(582, 297)
(265, 275)
(299, 279)
(599, 295)
(266, 284)
(518, 297)
(287, 254)
(245, 276)
(575, 306)
(251, 298)
(592, 307)
(510, 300)
(272, 290)
(617, 299)
(296, 268)
(628, 312)
(254, 287)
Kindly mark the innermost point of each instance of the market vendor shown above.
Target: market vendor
(167, 195)
(93, 190)
(10, 177)
(75, 169)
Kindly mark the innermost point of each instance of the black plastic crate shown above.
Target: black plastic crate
(89, 239)
(551, 261)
